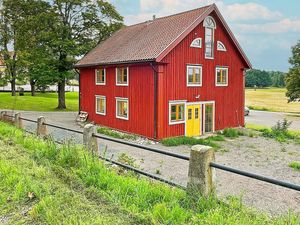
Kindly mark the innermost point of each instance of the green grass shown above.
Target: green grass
(270, 99)
(112, 133)
(295, 165)
(183, 140)
(275, 134)
(41, 102)
(73, 187)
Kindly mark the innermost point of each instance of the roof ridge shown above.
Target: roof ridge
(163, 17)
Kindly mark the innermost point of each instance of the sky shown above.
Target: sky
(265, 29)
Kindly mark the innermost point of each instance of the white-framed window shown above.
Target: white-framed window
(122, 108)
(221, 76)
(100, 76)
(122, 76)
(196, 43)
(100, 105)
(210, 25)
(194, 75)
(176, 112)
(221, 46)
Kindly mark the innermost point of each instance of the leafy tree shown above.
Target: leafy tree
(77, 26)
(258, 78)
(292, 79)
(10, 21)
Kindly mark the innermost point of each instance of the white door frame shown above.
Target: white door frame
(203, 116)
(202, 119)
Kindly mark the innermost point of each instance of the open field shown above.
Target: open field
(41, 102)
(270, 99)
(43, 183)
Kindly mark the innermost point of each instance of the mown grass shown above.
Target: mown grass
(270, 99)
(183, 140)
(41, 102)
(295, 165)
(72, 167)
(116, 134)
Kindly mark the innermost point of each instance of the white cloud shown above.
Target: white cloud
(281, 26)
(249, 11)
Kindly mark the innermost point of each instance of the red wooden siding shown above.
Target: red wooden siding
(139, 93)
(229, 101)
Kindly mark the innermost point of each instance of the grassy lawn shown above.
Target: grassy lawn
(270, 99)
(40, 102)
(45, 183)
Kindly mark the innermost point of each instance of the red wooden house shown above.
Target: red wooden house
(177, 75)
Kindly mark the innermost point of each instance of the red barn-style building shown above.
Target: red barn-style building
(172, 76)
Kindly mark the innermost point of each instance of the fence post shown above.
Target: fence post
(17, 121)
(2, 115)
(89, 141)
(41, 127)
(201, 176)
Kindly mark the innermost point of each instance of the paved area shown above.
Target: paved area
(270, 118)
(256, 154)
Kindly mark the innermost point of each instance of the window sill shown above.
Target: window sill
(122, 118)
(102, 114)
(101, 84)
(175, 123)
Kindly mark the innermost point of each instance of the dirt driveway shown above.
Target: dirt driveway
(255, 154)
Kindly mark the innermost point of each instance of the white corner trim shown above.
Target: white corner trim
(104, 83)
(216, 83)
(100, 97)
(122, 99)
(187, 75)
(176, 102)
(127, 84)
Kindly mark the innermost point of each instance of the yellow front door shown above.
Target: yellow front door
(193, 124)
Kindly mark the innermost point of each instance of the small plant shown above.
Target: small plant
(116, 134)
(157, 171)
(231, 133)
(279, 131)
(295, 165)
(176, 141)
(128, 160)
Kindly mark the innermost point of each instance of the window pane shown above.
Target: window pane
(190, 111)
(181, 112)
(196, 113)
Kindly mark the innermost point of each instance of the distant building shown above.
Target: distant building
(172, 76)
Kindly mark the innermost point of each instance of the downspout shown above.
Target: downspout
(155, 78)
(79, 94)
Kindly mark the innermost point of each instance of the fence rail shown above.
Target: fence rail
(201, 158)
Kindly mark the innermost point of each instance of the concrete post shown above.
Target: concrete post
(89, 141)
(17, 121)
(201, 176)
(2, 115)
(41, 127)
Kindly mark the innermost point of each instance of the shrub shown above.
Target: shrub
(176, 141)
(295, 165)
(116, 134)
(231, 133)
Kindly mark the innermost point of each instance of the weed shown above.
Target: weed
(176, 141)
(295, 165)
(116, 134)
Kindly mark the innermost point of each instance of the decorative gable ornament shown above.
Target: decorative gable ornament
(196, 43)
(221, 46)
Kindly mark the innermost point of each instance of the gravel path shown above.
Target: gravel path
(260, 155)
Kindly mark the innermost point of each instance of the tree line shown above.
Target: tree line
(262, 78)
(41, 40)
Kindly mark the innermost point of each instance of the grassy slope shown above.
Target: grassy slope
(40, 102)
(70, 186)
(271, 99)
(57, 200)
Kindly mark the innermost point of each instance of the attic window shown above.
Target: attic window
(221, 46)
(210, 25)
(196, 43)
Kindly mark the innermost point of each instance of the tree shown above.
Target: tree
(292, 79)
(259, 78)
(77, 26)
(10, 21)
